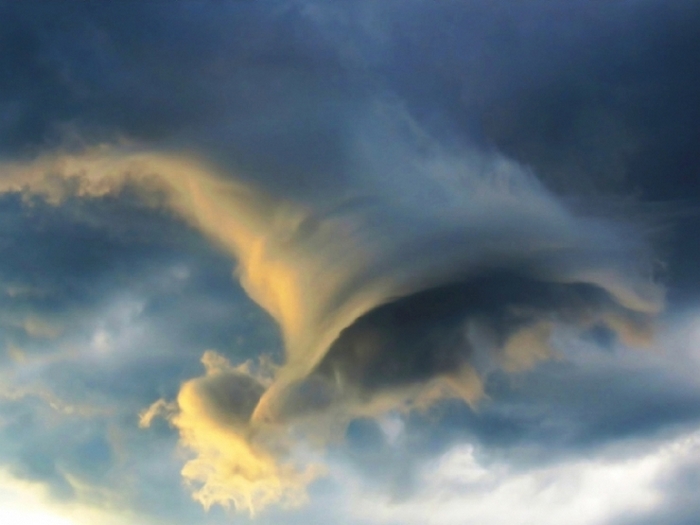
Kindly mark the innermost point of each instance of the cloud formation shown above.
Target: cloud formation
(439, 206)
(234, 464)
(393, 295)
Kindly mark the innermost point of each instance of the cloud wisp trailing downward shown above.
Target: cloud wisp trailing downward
(426, 271)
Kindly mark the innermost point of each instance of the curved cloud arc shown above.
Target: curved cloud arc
(322, 269)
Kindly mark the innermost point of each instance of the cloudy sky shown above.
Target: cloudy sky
(360, 262)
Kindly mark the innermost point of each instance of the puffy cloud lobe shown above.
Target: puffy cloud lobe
(232, 463)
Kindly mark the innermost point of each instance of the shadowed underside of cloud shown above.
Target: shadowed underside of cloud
(386, 300)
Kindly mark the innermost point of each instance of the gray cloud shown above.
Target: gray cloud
(411, 190)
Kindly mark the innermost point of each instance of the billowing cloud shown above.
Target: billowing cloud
(462, 486)
(448, 222)
(396, 293)
(233, 462)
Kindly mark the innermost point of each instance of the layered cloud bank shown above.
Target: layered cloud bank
(389, 295)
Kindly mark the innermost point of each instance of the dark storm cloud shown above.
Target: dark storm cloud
(427, 335)
(590, 95)
(254, 84)
(388, 176)
(586, 93)
(119, 67)
(596, 98)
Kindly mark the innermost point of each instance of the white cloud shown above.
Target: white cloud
(462, 488)
(23, 503)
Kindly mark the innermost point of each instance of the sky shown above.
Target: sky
(363, 262)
